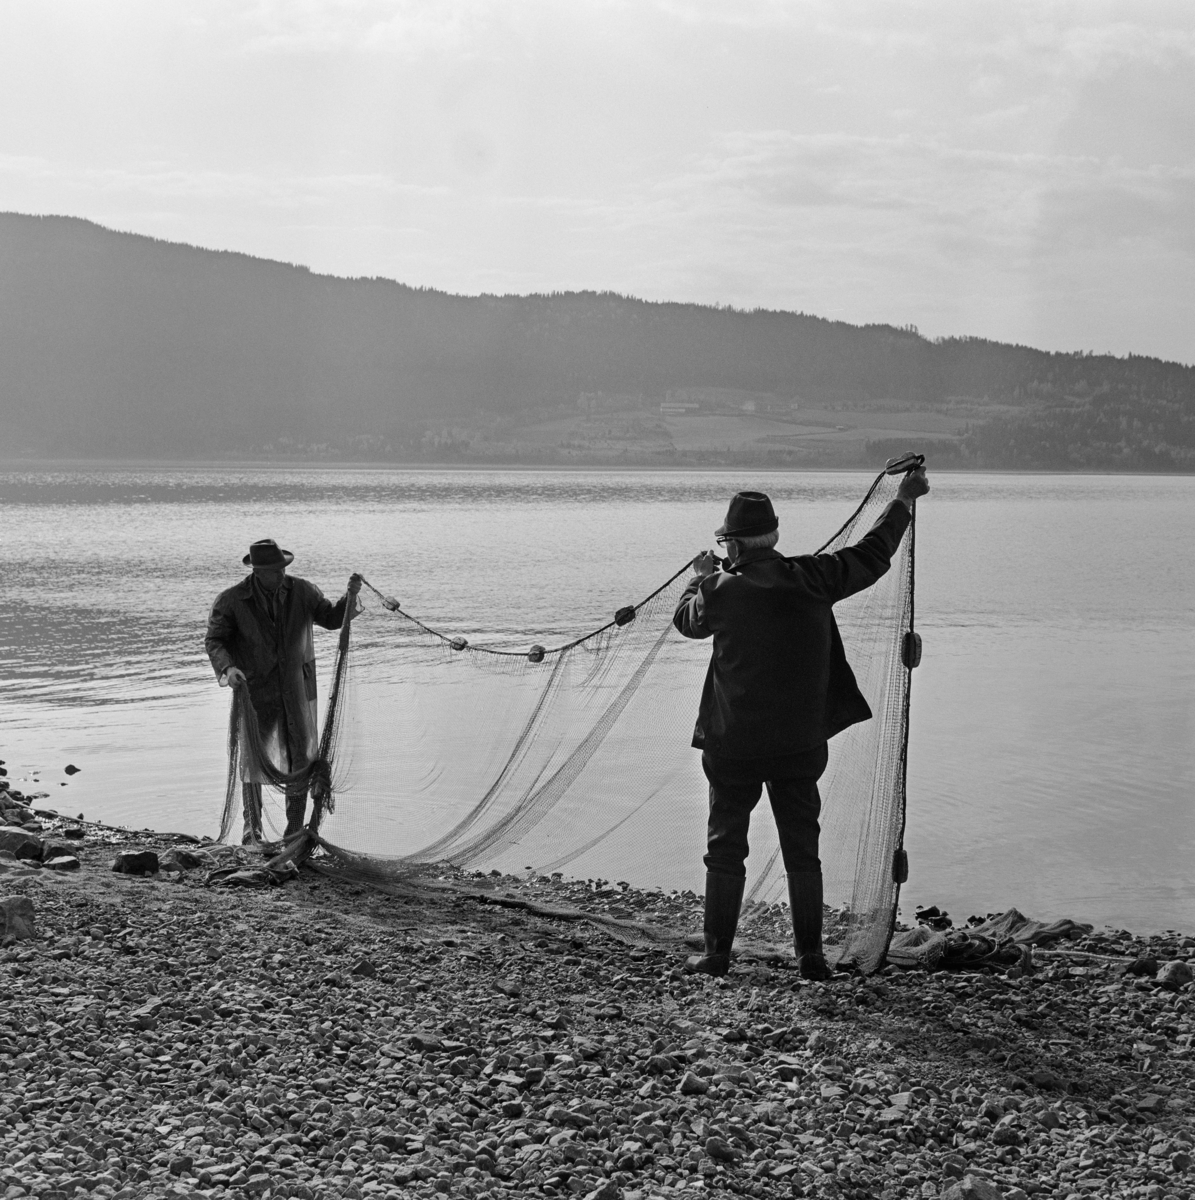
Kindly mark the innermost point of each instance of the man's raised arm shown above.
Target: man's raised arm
(329, 615)
(859, 566)
(689, 617)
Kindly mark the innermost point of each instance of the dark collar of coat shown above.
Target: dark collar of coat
(244, 589)
(753, 556)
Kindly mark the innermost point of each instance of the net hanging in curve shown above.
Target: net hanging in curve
(577, 759)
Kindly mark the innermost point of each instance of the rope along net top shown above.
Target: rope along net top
(576, 758)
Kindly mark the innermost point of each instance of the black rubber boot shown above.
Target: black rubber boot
(251, 808)
(805, 901)
(723, 899)
(296, 807)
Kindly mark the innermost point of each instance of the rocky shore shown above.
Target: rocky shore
(164, 1035)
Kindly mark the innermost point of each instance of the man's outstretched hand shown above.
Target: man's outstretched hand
(234, 677)
(354, 583)
(914, 484)
(706, 563)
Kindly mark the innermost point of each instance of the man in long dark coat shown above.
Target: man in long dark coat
(259, 637)
(778, 688)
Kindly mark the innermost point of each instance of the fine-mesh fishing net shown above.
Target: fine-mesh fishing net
(577, 758)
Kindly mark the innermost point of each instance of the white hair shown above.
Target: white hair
(761, 541)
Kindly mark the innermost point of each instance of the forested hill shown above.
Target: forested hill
(116, 345)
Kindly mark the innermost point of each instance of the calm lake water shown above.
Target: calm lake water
(1053, 719)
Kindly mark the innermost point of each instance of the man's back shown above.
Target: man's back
(779, 682)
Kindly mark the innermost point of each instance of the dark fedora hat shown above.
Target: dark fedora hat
(267, 554)
(750, 515)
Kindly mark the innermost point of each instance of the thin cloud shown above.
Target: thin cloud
(266, 188)
(1020, 169)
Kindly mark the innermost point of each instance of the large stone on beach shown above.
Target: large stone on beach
(1006, 1132)
(1146, 966)
(1174, 974)
(17, 922)
(61, 862)
(693, 1085)
(20, 842)
(720, 1149)
(136, 862)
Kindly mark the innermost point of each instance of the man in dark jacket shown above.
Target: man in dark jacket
(259, 637)
(778, 688)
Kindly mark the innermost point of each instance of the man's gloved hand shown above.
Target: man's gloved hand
(233, 677)
(706, 563)
(354, 583)
(914, 484)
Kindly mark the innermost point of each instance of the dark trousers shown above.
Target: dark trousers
(296, 807)
(735, 788)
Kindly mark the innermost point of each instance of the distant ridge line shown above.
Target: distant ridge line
(121, 344)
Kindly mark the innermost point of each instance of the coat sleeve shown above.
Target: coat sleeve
(848, 571)
(689, 617)
(323, 611)
(221, 635)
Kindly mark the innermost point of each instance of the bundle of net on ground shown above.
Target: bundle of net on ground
(511, 757)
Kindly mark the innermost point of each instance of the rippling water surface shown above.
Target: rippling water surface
(1051, 761)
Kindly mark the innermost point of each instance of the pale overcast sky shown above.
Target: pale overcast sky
(1019, 170)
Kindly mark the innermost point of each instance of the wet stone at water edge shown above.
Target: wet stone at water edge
(324, 1039)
